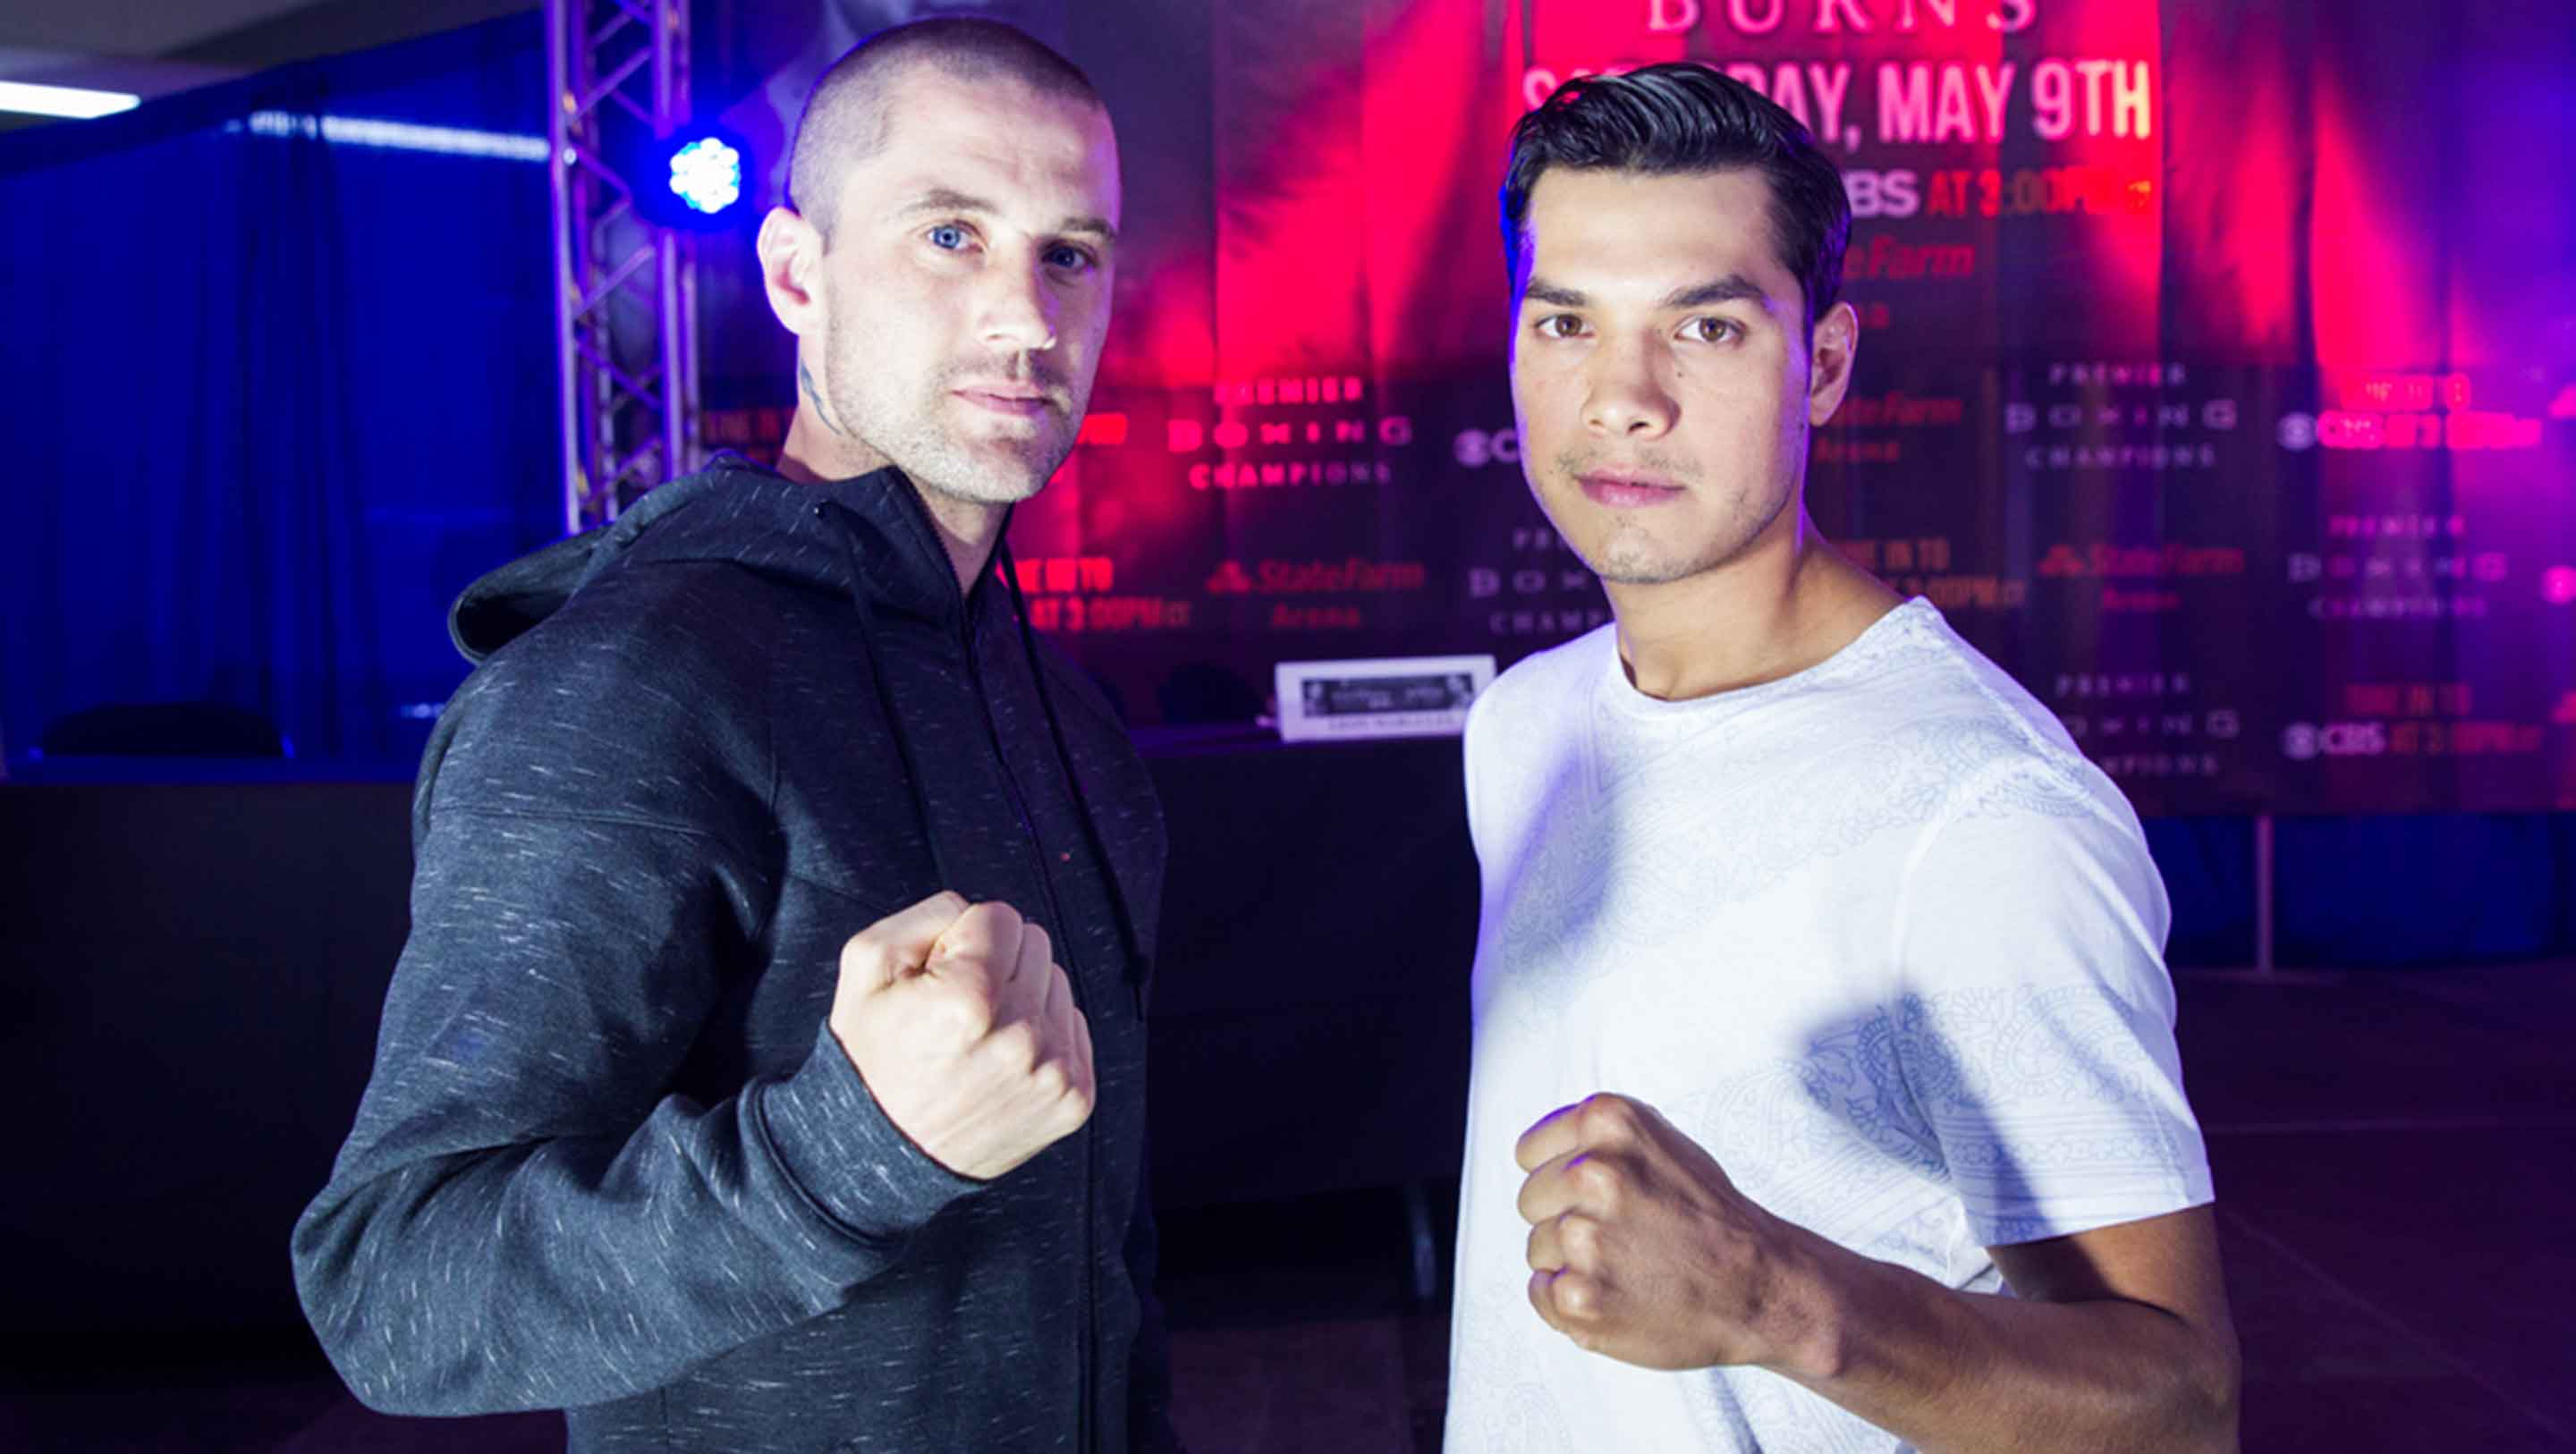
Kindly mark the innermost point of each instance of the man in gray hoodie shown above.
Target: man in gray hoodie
(765, 1069)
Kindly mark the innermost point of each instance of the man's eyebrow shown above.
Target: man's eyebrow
(949, 199)
(1733, 288)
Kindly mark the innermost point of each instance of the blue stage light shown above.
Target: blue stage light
(706, 174)
(701, 177)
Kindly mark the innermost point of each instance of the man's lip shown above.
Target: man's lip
(1613, 487)
(1006, 398)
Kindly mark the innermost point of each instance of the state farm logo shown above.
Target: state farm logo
(1316, 577)
(2173, 558)
(2303, 741)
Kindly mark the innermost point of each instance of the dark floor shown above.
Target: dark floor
(2396, 1163)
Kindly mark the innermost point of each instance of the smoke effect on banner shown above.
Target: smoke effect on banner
(2218, 367)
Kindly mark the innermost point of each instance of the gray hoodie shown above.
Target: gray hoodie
(609, 1161)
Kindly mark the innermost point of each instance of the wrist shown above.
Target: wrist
(1809, 1322)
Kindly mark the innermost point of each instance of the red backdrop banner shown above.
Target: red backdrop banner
(2218, 373)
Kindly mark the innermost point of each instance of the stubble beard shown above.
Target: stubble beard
(902, 425)
(1629, 553)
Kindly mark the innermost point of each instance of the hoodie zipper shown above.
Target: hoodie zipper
(1090, 1355)
(1073, 979)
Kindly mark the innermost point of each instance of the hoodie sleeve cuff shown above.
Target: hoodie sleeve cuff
(856, 1166)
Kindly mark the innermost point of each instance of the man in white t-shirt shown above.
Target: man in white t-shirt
(1825, 1091)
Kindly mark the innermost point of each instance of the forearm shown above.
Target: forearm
(579, 1269)
(1955, 1373)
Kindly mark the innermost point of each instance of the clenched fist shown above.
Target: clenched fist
(1641, 1247)
(964, 1028)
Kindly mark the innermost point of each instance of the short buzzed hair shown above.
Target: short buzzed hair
(846, 117)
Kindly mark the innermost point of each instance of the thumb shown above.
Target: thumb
(900, 943)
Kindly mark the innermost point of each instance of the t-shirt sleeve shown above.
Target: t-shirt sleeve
(2034, 1013)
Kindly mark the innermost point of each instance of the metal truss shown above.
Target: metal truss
(617, 74)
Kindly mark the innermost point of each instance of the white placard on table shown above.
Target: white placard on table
(1402, 696)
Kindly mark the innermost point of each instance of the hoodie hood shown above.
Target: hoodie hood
(869, 538)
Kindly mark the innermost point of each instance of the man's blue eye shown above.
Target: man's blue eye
(1070, 257)
(947, 237)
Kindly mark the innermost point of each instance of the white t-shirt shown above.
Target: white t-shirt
(1876, 935)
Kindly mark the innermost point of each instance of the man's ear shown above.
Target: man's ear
(1831, 350)
(791, 270)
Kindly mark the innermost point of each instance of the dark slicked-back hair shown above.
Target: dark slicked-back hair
(846, 117)
(1679, 119)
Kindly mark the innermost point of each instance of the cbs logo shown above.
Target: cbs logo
(2302, 741)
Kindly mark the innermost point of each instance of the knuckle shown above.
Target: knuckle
(1607, 1115)
(1579, 1237)
(1591, 1122)
(1596, 1180)
(974, 921)
(1050, 1081)
(967, 1017)
(1017, 1046)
